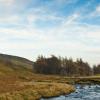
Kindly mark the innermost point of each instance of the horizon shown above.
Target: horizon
(49, 56)
(71, 28)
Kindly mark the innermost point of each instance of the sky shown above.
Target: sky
(71, 28)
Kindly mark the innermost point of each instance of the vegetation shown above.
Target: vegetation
(38, 90)
(62, 66)
(19, 82)
(96, 69)
(15, 62)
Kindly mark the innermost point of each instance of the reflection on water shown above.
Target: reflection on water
(83, 92)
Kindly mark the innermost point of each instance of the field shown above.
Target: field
(31, 87)
(18, 82)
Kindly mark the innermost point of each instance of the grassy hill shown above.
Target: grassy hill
(10, 64)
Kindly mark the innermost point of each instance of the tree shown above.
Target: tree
(63, 66)
(47, 65)
(40, 65)
(96, 69)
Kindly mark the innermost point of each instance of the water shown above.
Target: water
(83, 92)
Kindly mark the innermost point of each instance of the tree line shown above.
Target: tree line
(64, 66)
(96, 69)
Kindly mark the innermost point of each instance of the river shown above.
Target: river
(83, 92)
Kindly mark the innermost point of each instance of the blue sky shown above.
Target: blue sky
(69, 28)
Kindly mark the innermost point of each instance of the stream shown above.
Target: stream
(83, 92)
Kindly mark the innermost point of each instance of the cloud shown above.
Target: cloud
(98, 9)
(68, 39)
(33, 17)
(9, 19)
(71, 19)
(20, 33)
(6, 2)
(96, 12)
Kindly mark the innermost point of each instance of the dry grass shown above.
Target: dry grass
(37, 90)
(36, 86)
(24, 85)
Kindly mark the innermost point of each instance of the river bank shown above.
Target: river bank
(36, 86)
(83, 92)
(37, 90)
(31, 87)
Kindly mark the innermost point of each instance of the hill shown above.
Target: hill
(11, 66)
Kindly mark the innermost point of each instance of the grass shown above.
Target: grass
(35, 86)
(37, 90)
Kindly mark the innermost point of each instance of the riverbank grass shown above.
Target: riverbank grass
(38, 90)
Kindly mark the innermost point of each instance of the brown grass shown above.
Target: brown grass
(37, 90)
(28, 86)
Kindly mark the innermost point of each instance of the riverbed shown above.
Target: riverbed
(83, 92)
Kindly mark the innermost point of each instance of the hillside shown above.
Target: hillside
(13, 66)
(14, 69)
